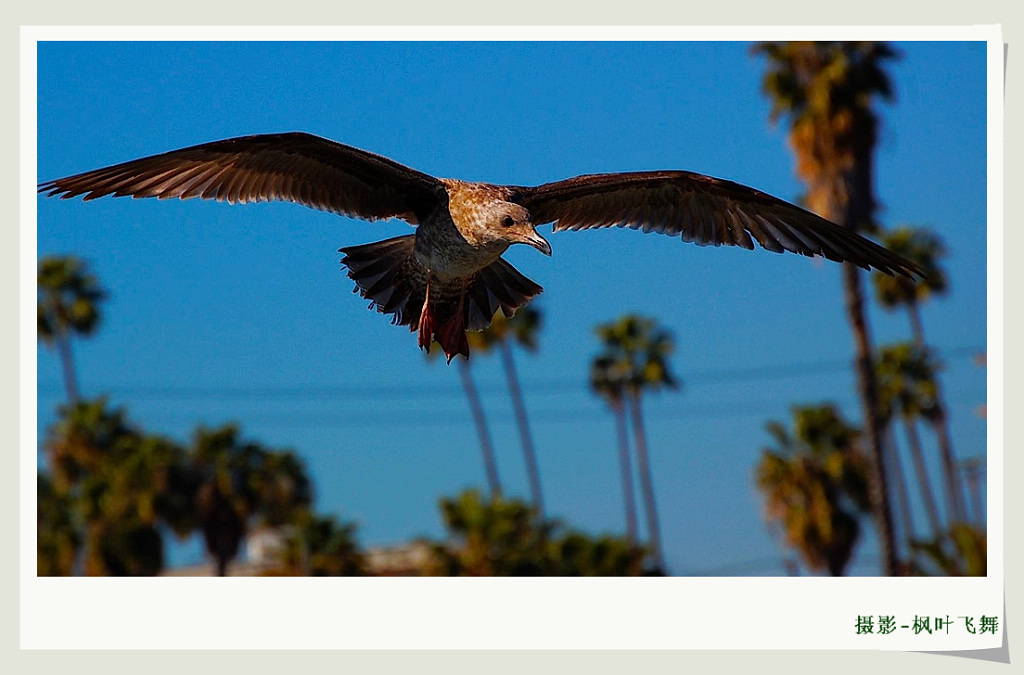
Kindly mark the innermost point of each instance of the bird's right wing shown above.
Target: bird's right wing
(294, 167)
(702, 210)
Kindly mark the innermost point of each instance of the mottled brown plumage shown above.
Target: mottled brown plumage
(449, 276)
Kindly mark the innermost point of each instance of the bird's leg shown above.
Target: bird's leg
(451, 334)
(426, 335)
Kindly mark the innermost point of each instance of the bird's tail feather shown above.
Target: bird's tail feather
(497, 286)
(388, 274)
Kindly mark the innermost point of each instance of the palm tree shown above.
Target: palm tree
(607, 380)
(67, 303)
(322, 547)
(899, 483)
(907, 387)
(640, 350)
(137, 503)
(82, 444)
(476, 409)
(493, 537)
(240, 483)
(966, 554)
(974, 471)
(522, 328)
(576, 554)
(815, 486)
(282, 487)
(827, 90)
(500, 537)
(58, 539)
(926, 249)
(115, 480)
(85, 436)
(129, 548)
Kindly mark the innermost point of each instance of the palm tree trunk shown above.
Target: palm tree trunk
(625, 467)
(954, 488)
(646, 481)
(979, 509)
(900, 483)
(490, 465)
(834, 138)
(922, 477)
(974, 485)
(63, 342)
(532, 471)
(916, 325)
(940, 427)
(222, 566)
(850, 199)
(91, 563)
(868, 389)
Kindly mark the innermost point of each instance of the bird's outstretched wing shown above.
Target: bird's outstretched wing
(295, 167)
(703, 210)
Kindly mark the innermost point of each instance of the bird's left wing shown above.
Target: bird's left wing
(295, 167)
(702, 210)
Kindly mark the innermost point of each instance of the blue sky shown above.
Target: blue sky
(222, 313)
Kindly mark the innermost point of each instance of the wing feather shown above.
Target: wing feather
(294, 167)
(702, 210)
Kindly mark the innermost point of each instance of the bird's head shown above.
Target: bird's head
(511, 222)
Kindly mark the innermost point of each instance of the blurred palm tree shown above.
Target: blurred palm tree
(117, 483)
(120, 490)
(814, 481)
(498, 537)
(974, 471)
(283, 488)
(224, 501)
(128, 547)
(608, 381)
(827, 90)
(576, 554)
(926, 249)
(965, 555)
(899, 484)
(907, 387)
(137, 503)
(320, 546)
(480, 421)
(638, 352)
(493, 537)
(522, 329)
(67, 304)
(476, 409)
(84, 436)
(240, 484)
(58, 539)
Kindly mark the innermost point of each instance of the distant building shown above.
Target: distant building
(402, 560)
(265, 546)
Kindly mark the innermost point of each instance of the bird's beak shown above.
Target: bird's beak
(538, 242)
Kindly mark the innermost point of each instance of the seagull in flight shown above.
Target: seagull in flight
(449, 277)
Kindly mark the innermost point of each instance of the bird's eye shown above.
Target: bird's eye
(508, 221)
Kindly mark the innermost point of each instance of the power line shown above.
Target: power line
(800, 368)
(405, 391)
